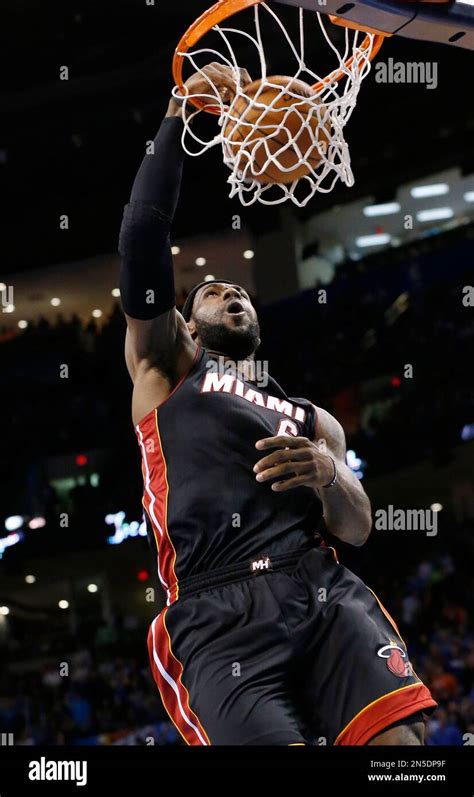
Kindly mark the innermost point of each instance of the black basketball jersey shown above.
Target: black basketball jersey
(204, 507)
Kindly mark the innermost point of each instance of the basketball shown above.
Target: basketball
(260, 139)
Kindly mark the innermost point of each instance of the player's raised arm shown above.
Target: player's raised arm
(155, 330)
(146, 274)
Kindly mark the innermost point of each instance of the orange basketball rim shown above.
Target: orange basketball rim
(224, 9)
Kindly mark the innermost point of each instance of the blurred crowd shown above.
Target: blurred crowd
(103, 698)
(431, 605)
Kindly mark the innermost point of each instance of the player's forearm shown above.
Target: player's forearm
(146, 273)
(158, 180)
(347, 512)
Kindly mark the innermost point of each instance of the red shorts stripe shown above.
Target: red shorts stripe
(167, 671)
(384, 711)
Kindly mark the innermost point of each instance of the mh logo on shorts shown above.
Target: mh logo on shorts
(397, 659)
(260, 565)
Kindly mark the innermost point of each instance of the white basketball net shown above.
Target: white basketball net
(327, 111)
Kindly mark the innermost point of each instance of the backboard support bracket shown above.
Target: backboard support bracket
(450, 23)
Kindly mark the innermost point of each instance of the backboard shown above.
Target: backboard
(450, 22)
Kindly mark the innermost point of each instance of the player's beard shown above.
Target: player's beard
(237, 344)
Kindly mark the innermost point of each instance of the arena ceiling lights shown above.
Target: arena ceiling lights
(385, 209)
(424, 191)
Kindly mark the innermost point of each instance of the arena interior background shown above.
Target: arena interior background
(74, 610)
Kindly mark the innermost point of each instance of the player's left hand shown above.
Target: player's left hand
(298, 461)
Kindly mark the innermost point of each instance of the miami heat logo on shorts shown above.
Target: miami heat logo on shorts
(397, 660)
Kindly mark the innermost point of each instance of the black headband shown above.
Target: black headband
(188, 305)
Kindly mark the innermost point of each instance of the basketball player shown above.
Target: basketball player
(265, 638)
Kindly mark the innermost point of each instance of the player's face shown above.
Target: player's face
(225, 320)
(228, 304)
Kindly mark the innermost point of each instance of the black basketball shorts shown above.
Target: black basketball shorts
(292, 650)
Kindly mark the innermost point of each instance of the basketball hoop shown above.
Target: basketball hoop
(278, 132)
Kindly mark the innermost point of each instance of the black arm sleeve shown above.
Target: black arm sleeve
(146, 272)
